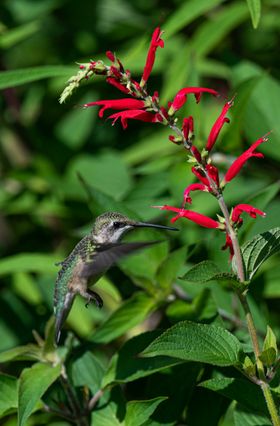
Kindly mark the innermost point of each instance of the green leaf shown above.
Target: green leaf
(28, 262)
(269, 352)
(111, 410)
(15, 35)
(142, 266)
(106, 172)
(212, 32)
(27, 352)
(128, 315)
(242, 391)
(77, 124)
(8, 393)
(187, 13)
(169, 269)
(88, 371)
(263, 108)
(138, 412)
(259, 249)
(270, 340)
(255, 11)
(28, 75)
(245, 417)
(197, 342)
(126, 366)
(202, 272)
(208, 271)
(33, 383)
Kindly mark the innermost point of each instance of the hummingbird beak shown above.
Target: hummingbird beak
(153, 225)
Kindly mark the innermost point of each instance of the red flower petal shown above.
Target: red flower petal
(122, 104)
(136, 114)
(228, 245)
(240, 208)
(188, 127)
(117, 84)
(198, 218)
(181, 97)
(193, 187)
(213, 173)
(155, 43)
(218, 126)
(200, 175)
(240, 161)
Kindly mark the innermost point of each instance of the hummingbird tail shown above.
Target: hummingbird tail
(62, 313)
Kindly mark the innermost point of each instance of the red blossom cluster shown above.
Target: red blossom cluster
(141, 106)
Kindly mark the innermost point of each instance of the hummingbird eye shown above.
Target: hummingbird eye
(118, 225)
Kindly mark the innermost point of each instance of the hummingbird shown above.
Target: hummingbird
(91, 258)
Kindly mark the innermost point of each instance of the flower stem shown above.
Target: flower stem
(260, 368)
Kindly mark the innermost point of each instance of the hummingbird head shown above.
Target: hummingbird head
(110, 227)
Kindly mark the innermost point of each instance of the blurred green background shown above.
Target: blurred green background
(61, 165)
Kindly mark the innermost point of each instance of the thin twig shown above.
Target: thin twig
(93, 401)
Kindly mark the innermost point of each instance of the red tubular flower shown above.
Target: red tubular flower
(228, 245)
(117, 84)
(194, 187)
(240, 208)
(196, 153)
(122, 104)
(218, 126)
(111, 56)
(155, 43)
(188, 127)
(135, 114)
(240, 161)
(213, 173)
(200, 175)
(181, 97)
(198, 218)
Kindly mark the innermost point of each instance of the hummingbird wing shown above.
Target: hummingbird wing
(108, 254)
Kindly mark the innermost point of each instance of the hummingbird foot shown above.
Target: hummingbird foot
(93, 296)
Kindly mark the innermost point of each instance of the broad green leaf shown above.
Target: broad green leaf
(202, 307)
(262, 199)
(111, 410)
(106, 172)
(126, 366)
(28, 75)
(260, 248)
(155, 145)
(27, 352)
(245, 417)
(270, 340)
(88, 371)
(187, 13)
(76, 125)
(28, 262)
(213, 31)
(269, 352)
(202, 272)
(33, 383)
(255, 11)
(208, 271)
(8, 393)
(15, 35)
(268, 357)
(128, 315)
(142, 266)
(138, 412)
(263, 108)
(169, 269)
(243, 391)
(197, 342)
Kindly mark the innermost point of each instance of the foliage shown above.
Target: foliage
(171, 337)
